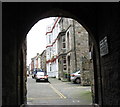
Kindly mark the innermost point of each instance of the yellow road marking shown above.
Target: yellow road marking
(57, 92)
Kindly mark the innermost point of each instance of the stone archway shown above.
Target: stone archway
(20, 39)
(59, 12)
(99, 19)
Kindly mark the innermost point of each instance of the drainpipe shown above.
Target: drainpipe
(74, 45)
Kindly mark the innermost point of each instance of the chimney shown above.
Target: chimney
(37, 54)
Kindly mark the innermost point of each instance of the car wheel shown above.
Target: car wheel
(77, 80)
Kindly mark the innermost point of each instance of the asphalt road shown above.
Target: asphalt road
(56, 92)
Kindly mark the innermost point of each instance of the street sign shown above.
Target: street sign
(103, 46)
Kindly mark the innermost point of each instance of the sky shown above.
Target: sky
(36, 38)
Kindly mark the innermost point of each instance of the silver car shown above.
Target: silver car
(41, 76)
(75, 77)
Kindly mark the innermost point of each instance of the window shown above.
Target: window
(50, 68)
(50, 52)
(63, 42)
(67, 33)
(68, 40)
(64, 59)
(49, 38)
(64, 46)
(63, 39)
(64, 67)
(64, 63)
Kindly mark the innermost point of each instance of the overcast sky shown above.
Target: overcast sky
(36, 38)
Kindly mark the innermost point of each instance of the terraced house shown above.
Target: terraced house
(101, 20)
(38, 62)
(67, 48)
(52, 48)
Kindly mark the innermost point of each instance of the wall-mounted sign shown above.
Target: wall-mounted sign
(103, 46)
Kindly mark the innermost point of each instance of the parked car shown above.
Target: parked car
(41, 76)
(75, 77)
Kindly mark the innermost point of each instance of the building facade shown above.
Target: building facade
(32, 64)
(43, 61)
(39, 61)
(67, 48)
(73, 48)
(52, 48)
(35, 63)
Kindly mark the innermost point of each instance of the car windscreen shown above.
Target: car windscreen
(78, 72)
(40, 73)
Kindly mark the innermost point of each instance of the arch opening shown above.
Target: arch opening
(92, 50)
(101, 22)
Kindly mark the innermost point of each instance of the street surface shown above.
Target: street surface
(56, 92)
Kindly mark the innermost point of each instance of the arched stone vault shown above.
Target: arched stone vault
(99, 19)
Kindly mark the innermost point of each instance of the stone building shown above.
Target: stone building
(32, 65)
(35, 63)
(67, 48)
(72, 48)
(43, 60)
(39, 61)
(62, 67)
(100, 19)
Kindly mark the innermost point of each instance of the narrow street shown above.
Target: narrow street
(56, 92)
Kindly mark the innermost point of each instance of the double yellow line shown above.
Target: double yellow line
(57, 92)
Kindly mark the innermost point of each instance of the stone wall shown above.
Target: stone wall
(76, 46)
(110, 63)
(100, 20)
